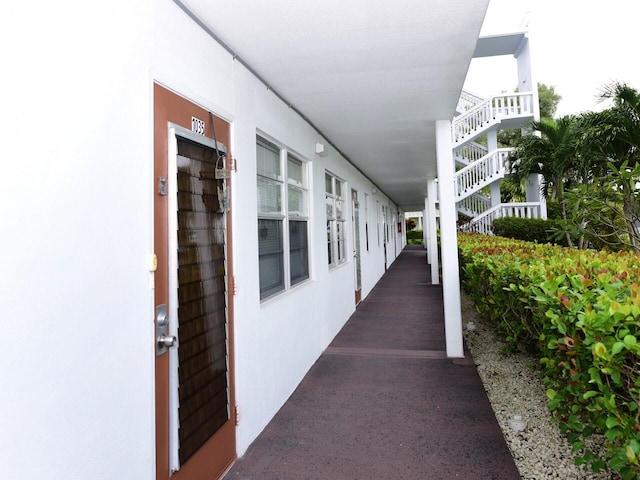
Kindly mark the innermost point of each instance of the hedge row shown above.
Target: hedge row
(528, 229)
(414, 235)
(579, 312)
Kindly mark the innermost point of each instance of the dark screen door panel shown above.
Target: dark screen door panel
(203, 387)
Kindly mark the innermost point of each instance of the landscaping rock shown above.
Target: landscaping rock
(514, 388)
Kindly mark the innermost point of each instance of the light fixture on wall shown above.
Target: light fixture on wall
(321, 150)
(374, 190)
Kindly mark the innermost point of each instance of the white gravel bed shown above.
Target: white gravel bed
(540, 451)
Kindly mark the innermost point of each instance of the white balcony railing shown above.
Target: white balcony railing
(467, 126)
(481, 173)
(483, 223)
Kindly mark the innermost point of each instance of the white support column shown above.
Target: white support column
(528, 83)
(432, 245)
(526, 80)
(533, 189)
(492, 140)
(449, 241)
(492, 145)
(425, 228)
(495, 193)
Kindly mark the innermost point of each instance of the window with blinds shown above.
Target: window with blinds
(298, 211)
(283, 219)
(335, 207)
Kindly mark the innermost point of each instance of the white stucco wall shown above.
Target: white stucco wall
(76, 364)
(278, 340)
(77, 392)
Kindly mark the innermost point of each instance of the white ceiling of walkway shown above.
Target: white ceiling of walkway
(372, 75)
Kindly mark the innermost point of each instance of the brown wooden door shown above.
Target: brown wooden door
(195, 408)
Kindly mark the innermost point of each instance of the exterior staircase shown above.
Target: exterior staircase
(468, 153)
(484, 171)
(474, 205)
(498, 112)
(478, 167)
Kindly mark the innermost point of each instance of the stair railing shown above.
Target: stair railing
(481, 173)
(470, 152)
(467, 126)
(474, 205)
(468, 100)
(483, 223)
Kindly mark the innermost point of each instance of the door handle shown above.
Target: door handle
(163, 341)
(167, 341)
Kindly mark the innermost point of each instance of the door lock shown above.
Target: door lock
(163, 341)
(166, 341)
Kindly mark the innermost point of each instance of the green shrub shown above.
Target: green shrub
(527, 229)
(414, 237)
(579, 312)
(553, 210)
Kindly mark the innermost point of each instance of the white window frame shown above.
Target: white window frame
(302, 215)
(378, 221)
(335, 202)
(285, 216)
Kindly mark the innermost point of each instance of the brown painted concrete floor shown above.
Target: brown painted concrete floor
(383, 401)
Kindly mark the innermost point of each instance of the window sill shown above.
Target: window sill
(336, 266)
(284, 293)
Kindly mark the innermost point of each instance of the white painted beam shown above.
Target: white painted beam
(492, 145)
(449, 241)
(432, 244)
(424, 223)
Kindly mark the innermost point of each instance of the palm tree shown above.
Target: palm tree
(621, 122)
(613, 136)
(552, 154)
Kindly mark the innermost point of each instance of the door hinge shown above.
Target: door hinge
(162, 186)
(236, 415)
(233, 286)
(232, 164)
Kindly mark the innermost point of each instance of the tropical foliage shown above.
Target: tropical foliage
(551, 154)
(591, 165)
(578, 311)
(548, 100)
(612, 137)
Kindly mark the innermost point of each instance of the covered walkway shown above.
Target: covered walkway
(383, 401)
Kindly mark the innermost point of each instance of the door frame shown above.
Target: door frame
(173, 110)
(355, 230)
(385, 234)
